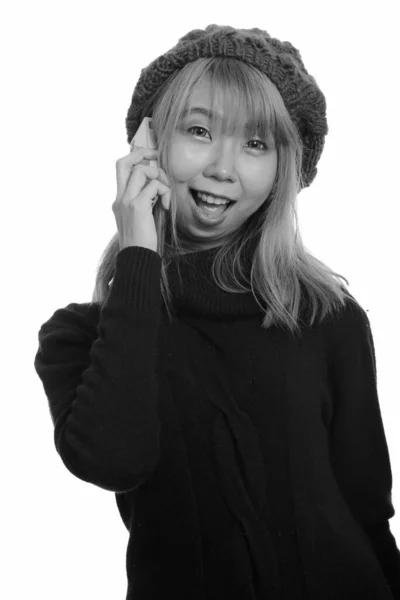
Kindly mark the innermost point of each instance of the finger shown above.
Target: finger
(166, 199)
(164, 194)
(164, 177)
(138, 180)
(124, 166)
(149, 196)
(150, 161)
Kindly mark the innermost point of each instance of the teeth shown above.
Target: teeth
(211, 199)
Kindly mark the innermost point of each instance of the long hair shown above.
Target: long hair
(282, 272)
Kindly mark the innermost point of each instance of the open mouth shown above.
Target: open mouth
(211, 209)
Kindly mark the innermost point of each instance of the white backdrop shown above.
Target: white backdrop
(68, 73)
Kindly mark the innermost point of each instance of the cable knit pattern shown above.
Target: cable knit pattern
(246, 465)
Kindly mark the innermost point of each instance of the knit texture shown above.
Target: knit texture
(280, 61)
(247, 464)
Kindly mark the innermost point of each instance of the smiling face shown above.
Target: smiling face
(234, 165)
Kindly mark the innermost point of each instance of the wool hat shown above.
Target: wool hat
(280, 61)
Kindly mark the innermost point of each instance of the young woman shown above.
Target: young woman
(222, 382)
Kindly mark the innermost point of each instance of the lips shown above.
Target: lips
(194, 194)
(205, 216)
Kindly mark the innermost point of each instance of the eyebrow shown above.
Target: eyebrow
(202, 110)
(199, 109)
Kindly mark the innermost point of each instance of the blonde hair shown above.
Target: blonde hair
(282, 269)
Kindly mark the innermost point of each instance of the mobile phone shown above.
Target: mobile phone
(145, 138)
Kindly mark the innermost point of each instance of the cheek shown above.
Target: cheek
(256, 195)
(184, 162)
(259, 182)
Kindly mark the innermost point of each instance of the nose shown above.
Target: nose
(222, 163)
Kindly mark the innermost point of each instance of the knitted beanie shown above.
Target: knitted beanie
(280, 61)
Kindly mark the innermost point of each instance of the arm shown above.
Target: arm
(98, 372)
(359, 452)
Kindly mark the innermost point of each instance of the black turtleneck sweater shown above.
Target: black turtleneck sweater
(247, 464)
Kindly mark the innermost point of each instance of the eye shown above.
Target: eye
(197, 127)
(257, 141)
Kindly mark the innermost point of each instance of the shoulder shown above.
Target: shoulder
(347, 328)
(352, 316)
(73, 319)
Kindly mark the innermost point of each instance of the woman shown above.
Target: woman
(222, 382)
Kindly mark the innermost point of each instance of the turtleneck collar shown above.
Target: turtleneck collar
(199, 295)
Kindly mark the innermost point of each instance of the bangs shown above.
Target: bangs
(239, 91)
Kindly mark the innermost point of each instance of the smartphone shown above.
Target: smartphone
(145, 138)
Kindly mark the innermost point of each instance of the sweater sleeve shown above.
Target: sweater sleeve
(359, 452)
(98, 369)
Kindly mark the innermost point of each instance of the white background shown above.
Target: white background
(68, 73)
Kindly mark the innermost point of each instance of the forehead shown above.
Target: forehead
(221, 106)
(201, 102)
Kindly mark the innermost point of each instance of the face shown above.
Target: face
(241, 169)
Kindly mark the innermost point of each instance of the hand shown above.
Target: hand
(133, 205)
